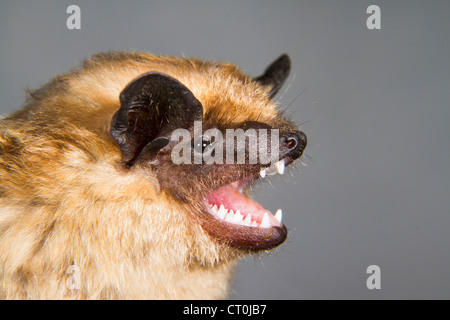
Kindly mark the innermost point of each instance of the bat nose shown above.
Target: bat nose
(293, 144)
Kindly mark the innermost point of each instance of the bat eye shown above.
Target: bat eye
(200, 144)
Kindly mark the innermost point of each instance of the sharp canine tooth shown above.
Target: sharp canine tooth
(248, 219)
(279, 215)
(214, 208)
(262, 173)
(280, 166)
(265, 221)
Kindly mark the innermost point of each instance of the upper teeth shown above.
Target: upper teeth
(279, 215)
(246, 220)
(280, 166)
(273, 169)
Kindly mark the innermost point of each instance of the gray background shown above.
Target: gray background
(377, 186)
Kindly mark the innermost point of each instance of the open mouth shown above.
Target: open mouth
(241, 221)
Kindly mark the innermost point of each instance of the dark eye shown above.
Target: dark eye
(200, 144)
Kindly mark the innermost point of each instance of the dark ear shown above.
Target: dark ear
(276, 74)
(151, 107)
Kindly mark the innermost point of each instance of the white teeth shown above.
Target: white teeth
(280, 166)
(265, 221)
(221, 215)
(277, 167)
(279, 215)
(248, 219)
(238, 217)
(222, 212)
(229, 217)
(262, 173)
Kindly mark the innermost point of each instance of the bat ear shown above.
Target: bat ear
(275, 74)
(151, 107)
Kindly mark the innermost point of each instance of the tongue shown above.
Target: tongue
(232, 199)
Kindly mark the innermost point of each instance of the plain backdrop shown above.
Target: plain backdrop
(374, 104)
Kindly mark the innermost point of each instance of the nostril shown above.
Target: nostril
(290, 142)
(294, 144)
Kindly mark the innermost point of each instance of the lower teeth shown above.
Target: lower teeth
(238, 218)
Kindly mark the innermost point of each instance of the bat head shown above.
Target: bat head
(207, 154)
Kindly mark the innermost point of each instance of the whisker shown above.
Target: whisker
(302, 163)
(288, 87)
(310, 120)
(296, 97)
(308, 157)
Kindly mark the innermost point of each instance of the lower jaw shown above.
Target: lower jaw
(246, 238)
(261, 236)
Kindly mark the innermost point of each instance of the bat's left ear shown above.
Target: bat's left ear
(152, 106)
(276, 74)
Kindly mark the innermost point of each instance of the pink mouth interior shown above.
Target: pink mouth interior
(231, 197)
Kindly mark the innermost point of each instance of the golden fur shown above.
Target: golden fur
(65, 200)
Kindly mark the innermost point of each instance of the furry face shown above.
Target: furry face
(89, 178)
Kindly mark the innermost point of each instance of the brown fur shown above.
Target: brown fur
(66, 200)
